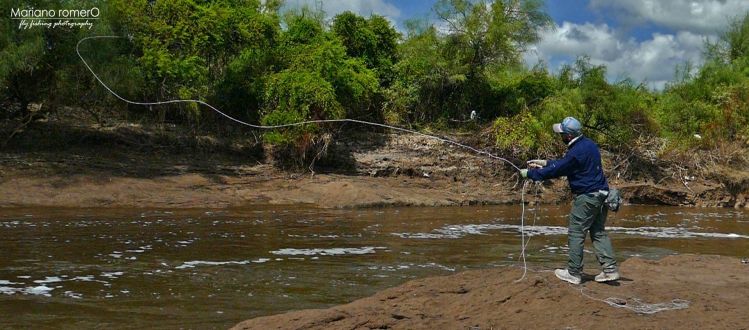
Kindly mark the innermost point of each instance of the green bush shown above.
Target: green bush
(524, 136)
(292, 97)
(711, 101)
(373, 40)
(295, 96)
(184, 47)
(517, 89)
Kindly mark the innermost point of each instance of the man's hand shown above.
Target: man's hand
(537, 163)
(524, 173)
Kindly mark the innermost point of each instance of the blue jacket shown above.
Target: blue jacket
(581, 165)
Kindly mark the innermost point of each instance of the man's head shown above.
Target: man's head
(569, 129)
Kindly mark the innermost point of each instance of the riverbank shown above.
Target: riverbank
(692, 291)
(371, 170)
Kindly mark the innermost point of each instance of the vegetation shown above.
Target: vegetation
(267, 67)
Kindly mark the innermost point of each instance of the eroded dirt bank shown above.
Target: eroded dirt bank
(714, 290)
(370, 170)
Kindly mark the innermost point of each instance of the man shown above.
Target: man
(582, 167)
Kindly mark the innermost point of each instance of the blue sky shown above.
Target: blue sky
(639, 39)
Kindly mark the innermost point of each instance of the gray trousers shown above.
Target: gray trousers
(589, 215)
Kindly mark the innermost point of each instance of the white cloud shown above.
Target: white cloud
(652, 61)
(703, 16)
(598, 41)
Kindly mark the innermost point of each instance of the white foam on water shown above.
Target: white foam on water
(459, 231)
(327, 252)
(671, 232)
(192, 264)
(41, 290)
(112, 275)
(423, 235)
(74, 295)
(8, 290)
(88, 278)
(49, 279)
(6, 282)
(563, 249)
(400, 267)
(436, 265)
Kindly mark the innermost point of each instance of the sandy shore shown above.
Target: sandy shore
(195, 190)
(263, 184)
(694, 291)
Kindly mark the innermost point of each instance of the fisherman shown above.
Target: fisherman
(582, 167)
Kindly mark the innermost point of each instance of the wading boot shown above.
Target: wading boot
(607, 277)
(564, 275)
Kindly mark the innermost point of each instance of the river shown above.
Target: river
(201, 268)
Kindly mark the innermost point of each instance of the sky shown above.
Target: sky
(643, 40)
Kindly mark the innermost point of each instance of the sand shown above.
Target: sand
(712, 292)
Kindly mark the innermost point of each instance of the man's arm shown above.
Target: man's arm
(554, 168)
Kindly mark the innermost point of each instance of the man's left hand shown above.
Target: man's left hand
(537, 163)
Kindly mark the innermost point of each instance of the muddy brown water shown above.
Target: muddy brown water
(127, 268)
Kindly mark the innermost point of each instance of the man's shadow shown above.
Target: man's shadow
(592, 278)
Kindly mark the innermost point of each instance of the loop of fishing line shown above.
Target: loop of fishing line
(523, 241)
(638, 306)
(362, 122)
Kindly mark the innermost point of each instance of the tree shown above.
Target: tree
(733, 43)
(712, 100)
(485, 33)
(23, 64)
(422, 78)
(184, 47)
(444, 72)
(374, 40)
(323, 53)
(40, 64)
(737, 38)
(316, 79)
